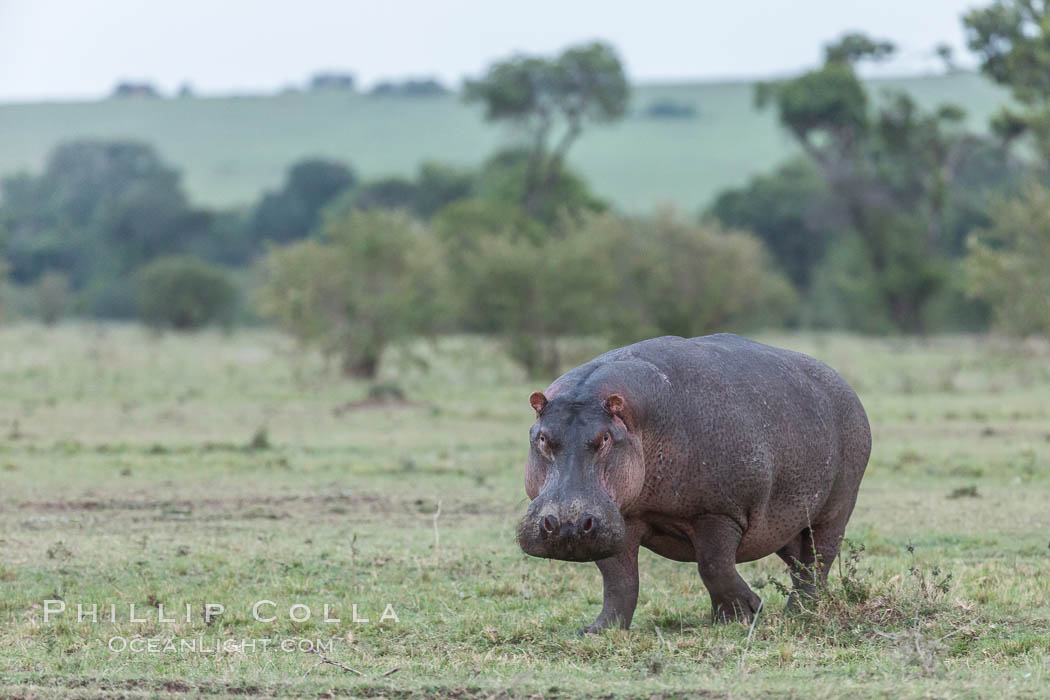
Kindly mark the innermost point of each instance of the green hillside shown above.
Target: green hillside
(232, 148)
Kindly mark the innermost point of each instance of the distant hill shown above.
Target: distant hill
(232, 148)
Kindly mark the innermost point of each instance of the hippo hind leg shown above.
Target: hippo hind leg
(717, 540)
(809, 558)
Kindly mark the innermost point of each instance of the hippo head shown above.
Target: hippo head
(585, 465)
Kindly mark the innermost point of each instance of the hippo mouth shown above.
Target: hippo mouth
(574, 534)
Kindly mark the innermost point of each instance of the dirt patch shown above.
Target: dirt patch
(371, 501)
(170, 686)
(390, 506)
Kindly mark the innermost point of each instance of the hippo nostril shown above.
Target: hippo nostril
(550, 524)
(588, 524)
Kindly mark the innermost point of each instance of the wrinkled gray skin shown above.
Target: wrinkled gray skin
(715, 450)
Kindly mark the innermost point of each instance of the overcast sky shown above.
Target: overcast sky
(55, 49)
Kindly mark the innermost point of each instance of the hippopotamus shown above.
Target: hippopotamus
(715, 450)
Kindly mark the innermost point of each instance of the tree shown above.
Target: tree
(128, 88)
(332, 81)
(504, 178)
(1012, 41)
(892, 172)
(791, 210)
(372, 279)
(854, 46)
(1008, 262)
(946, 54)
(410, 87)
(387, 193)
(540, 96)
(435, 185)
(98, 210)
(184, 293)
(294, 211)
(438, 185)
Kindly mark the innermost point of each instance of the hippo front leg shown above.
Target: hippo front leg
(619, 585)
(717, 540)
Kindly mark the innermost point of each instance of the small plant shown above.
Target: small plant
(964, 492)
(933, 589)
(260, 440)
(854, 588)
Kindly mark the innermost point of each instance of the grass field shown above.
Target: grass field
(185, 470)
(230, 149)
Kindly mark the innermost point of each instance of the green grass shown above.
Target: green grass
(230, 149)
(128, 475)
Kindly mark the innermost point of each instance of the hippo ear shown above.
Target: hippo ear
(614, 404)
(538, 401)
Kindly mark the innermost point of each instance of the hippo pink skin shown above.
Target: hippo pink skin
(715, 450)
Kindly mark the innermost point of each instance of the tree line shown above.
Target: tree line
(893, 218)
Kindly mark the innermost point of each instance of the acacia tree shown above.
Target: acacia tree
(545, 97)
(1012, 39)
(1007, 262)
(891, 169)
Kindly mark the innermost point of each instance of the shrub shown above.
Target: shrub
(184, 293)
(1008, 263)
(532, 292)
(670, 109)
(373, 280)
(681, 278)
(624, 277)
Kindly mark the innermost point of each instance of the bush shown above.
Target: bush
(680, 278)
(184, 293)
(373, 280)
(670, 109)
(1008, 263)
(461, 226)
(624, 277)
(532, 292)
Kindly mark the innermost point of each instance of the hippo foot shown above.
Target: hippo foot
(601, 625)
(739, 609)
(597, 627)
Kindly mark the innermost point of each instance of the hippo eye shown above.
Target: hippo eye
(606, 438)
